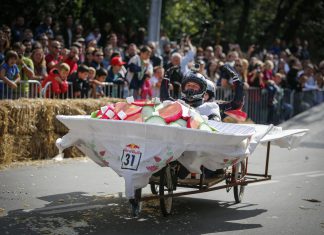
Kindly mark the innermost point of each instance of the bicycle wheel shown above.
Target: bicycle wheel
(238, 174)
(166, 188)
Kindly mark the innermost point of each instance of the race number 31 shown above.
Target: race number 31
(130, 160)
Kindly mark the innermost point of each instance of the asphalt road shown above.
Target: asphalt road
(79, 197)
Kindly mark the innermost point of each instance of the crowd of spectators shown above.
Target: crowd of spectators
(87, 60)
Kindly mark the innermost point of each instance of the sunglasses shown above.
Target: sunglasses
(238, 65)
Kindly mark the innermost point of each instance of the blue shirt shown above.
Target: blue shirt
(11, 73)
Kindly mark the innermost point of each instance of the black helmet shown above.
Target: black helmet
(190, 95)
(211, 89)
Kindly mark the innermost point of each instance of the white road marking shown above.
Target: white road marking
(315, 175)
(306, 173)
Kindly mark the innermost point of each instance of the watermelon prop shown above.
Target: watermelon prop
(147, 111)
(195, 121)
(124, 110)
(171, 112)
(156, 120)
(236, 114)
(135, 118)
(143, 103)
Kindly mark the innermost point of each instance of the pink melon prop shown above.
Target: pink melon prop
(128, 109)
(171, 112)
(135, 118)
(237, 115)
(143, 103)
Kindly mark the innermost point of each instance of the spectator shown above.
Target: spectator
(4, 45)
(45, 27)
(26, 67)
(38, 58)
(7, 31)
(28, 35)
(18, 29)
(112, 41)
(58, 78)
(93, 35)
(146, 90)
(80, 82)
(98, 83)
(130, 52)
(43, 39)
(138, 67)
(212, 70)
(67, 31)
(166, 55)
(54, 57)
(255, 77)
(97, 59)
(156, 79)
(9, 74)
(218, 51)
(267, 70)
(78, 31)
(292, 76)
(28, 45)
(208, 54)
(72, 59)
(156, 60)
(89, 56)
(107, 57)
(117, 75)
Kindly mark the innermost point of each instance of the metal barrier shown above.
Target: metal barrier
(109, 90)
(25, 89)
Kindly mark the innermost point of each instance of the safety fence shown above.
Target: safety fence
(261, 105)
(25, 89)
(264, 107)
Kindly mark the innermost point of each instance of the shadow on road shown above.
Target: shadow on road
(79, 213)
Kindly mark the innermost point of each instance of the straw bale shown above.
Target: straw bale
(3, 119)
(6, 150)
(29, 128)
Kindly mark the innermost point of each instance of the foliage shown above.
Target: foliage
(235, 21)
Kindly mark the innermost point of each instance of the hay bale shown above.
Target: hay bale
(29, 128)
(3, 119)
(6, 150)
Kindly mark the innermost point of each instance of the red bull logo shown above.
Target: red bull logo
(132, 146)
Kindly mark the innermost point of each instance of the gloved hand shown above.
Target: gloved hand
(229, 73)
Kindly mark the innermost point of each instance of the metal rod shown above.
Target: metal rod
(267, 160)
(147, 198)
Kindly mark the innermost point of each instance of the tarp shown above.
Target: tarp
(137, 150)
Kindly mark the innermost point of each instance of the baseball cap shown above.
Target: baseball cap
(117, 61)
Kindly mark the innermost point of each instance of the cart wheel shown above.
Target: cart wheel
(166, 188)
(154, 188)
(136, 203)
(238, 172)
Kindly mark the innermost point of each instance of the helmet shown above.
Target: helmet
(190, 95)
(211, 89)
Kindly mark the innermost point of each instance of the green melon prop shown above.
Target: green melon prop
(171, 112)
(156, 120)
(147, 111)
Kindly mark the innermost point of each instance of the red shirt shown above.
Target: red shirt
(57, 88)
